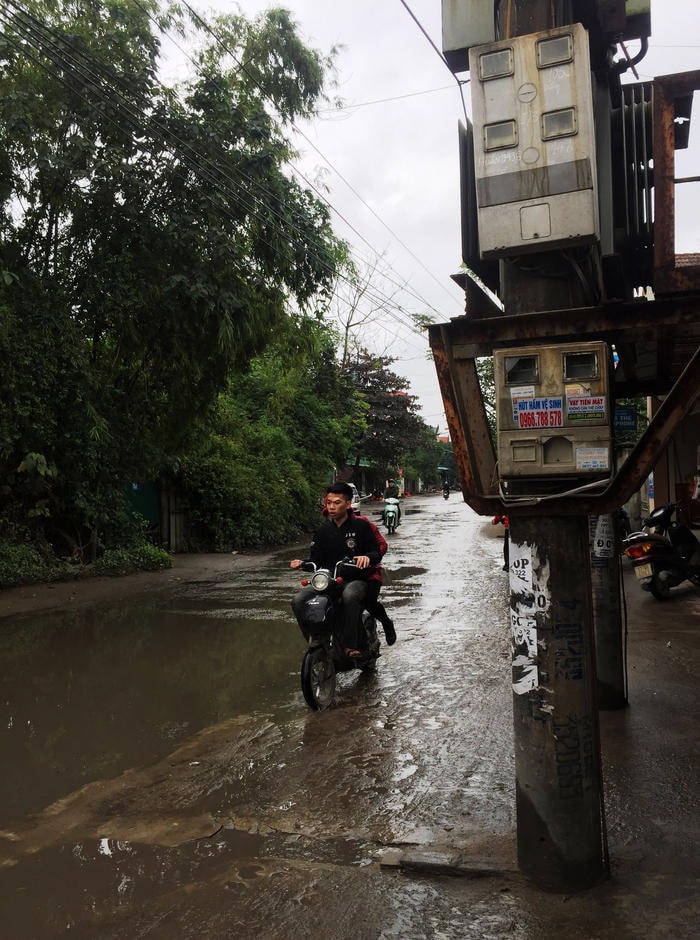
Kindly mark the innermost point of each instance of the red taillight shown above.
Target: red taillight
(305, 582)
(639, 550)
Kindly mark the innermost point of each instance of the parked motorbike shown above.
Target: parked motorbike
(390, 516)
(325, 655)
(664, 554)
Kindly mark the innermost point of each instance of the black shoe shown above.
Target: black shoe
(389, 632)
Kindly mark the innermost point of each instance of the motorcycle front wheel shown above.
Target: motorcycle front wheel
(318, 678)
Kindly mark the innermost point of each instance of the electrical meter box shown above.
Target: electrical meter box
(553, 412)
(534, 142)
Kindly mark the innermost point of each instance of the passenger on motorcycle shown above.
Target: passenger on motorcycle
(374, 579)
(342, 535)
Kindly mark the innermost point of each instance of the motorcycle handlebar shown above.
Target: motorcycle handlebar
(344, 562)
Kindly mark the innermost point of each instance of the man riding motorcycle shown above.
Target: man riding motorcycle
(342, 535)
(374, 578)
(392, 492)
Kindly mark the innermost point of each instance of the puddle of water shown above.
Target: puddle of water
(107, 876)
(87, 694)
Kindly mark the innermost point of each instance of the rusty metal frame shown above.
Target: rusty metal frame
(620, 324)
(474, 453)
(672, 273)
(466, 418)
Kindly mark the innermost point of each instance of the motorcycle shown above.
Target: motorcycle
(325, 655)
(445, 492)
(664, 554)
(390, 516)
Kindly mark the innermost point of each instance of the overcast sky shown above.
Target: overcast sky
(395, 144)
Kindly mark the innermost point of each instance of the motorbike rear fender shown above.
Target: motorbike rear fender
(659, 545)
(682, 559)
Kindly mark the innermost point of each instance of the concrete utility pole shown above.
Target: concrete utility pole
(567, 206)
(557, 752)
(520, 91)
(562, 217)
(559, 791)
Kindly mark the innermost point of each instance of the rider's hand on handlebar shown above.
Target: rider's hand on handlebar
(362, 561)
(295, 563)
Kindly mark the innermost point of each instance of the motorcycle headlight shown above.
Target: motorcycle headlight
(321, 580)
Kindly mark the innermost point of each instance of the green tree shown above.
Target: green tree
(393, 427)
(271, 444)
(425, 458)
(487, 383)
(150, 237)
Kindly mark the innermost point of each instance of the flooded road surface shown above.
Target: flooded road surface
(162, 776)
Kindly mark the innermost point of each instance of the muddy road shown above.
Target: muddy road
(162, 776)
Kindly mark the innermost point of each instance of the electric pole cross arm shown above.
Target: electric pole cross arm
(636, 327)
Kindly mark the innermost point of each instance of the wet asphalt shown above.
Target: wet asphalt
(162, 776)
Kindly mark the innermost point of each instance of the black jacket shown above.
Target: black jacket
(353, 537)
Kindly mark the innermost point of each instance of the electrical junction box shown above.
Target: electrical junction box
(465, 23)
(553, 412)
(618, 19)
(637, 19)
(534, 143)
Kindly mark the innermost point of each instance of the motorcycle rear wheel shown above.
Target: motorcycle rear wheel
(318, 678)
(659, 589)
(391, 525)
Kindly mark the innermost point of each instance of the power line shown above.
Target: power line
(385, 300)
(390, 309)
(242, 67)
(368, 104)
(439, 54)
(65, 55)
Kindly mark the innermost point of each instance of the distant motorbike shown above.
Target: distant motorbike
(390, 516)
(445, 492)
(664, 554)
(325, 655)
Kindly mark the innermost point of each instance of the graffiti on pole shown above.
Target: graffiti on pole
(530, 601)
